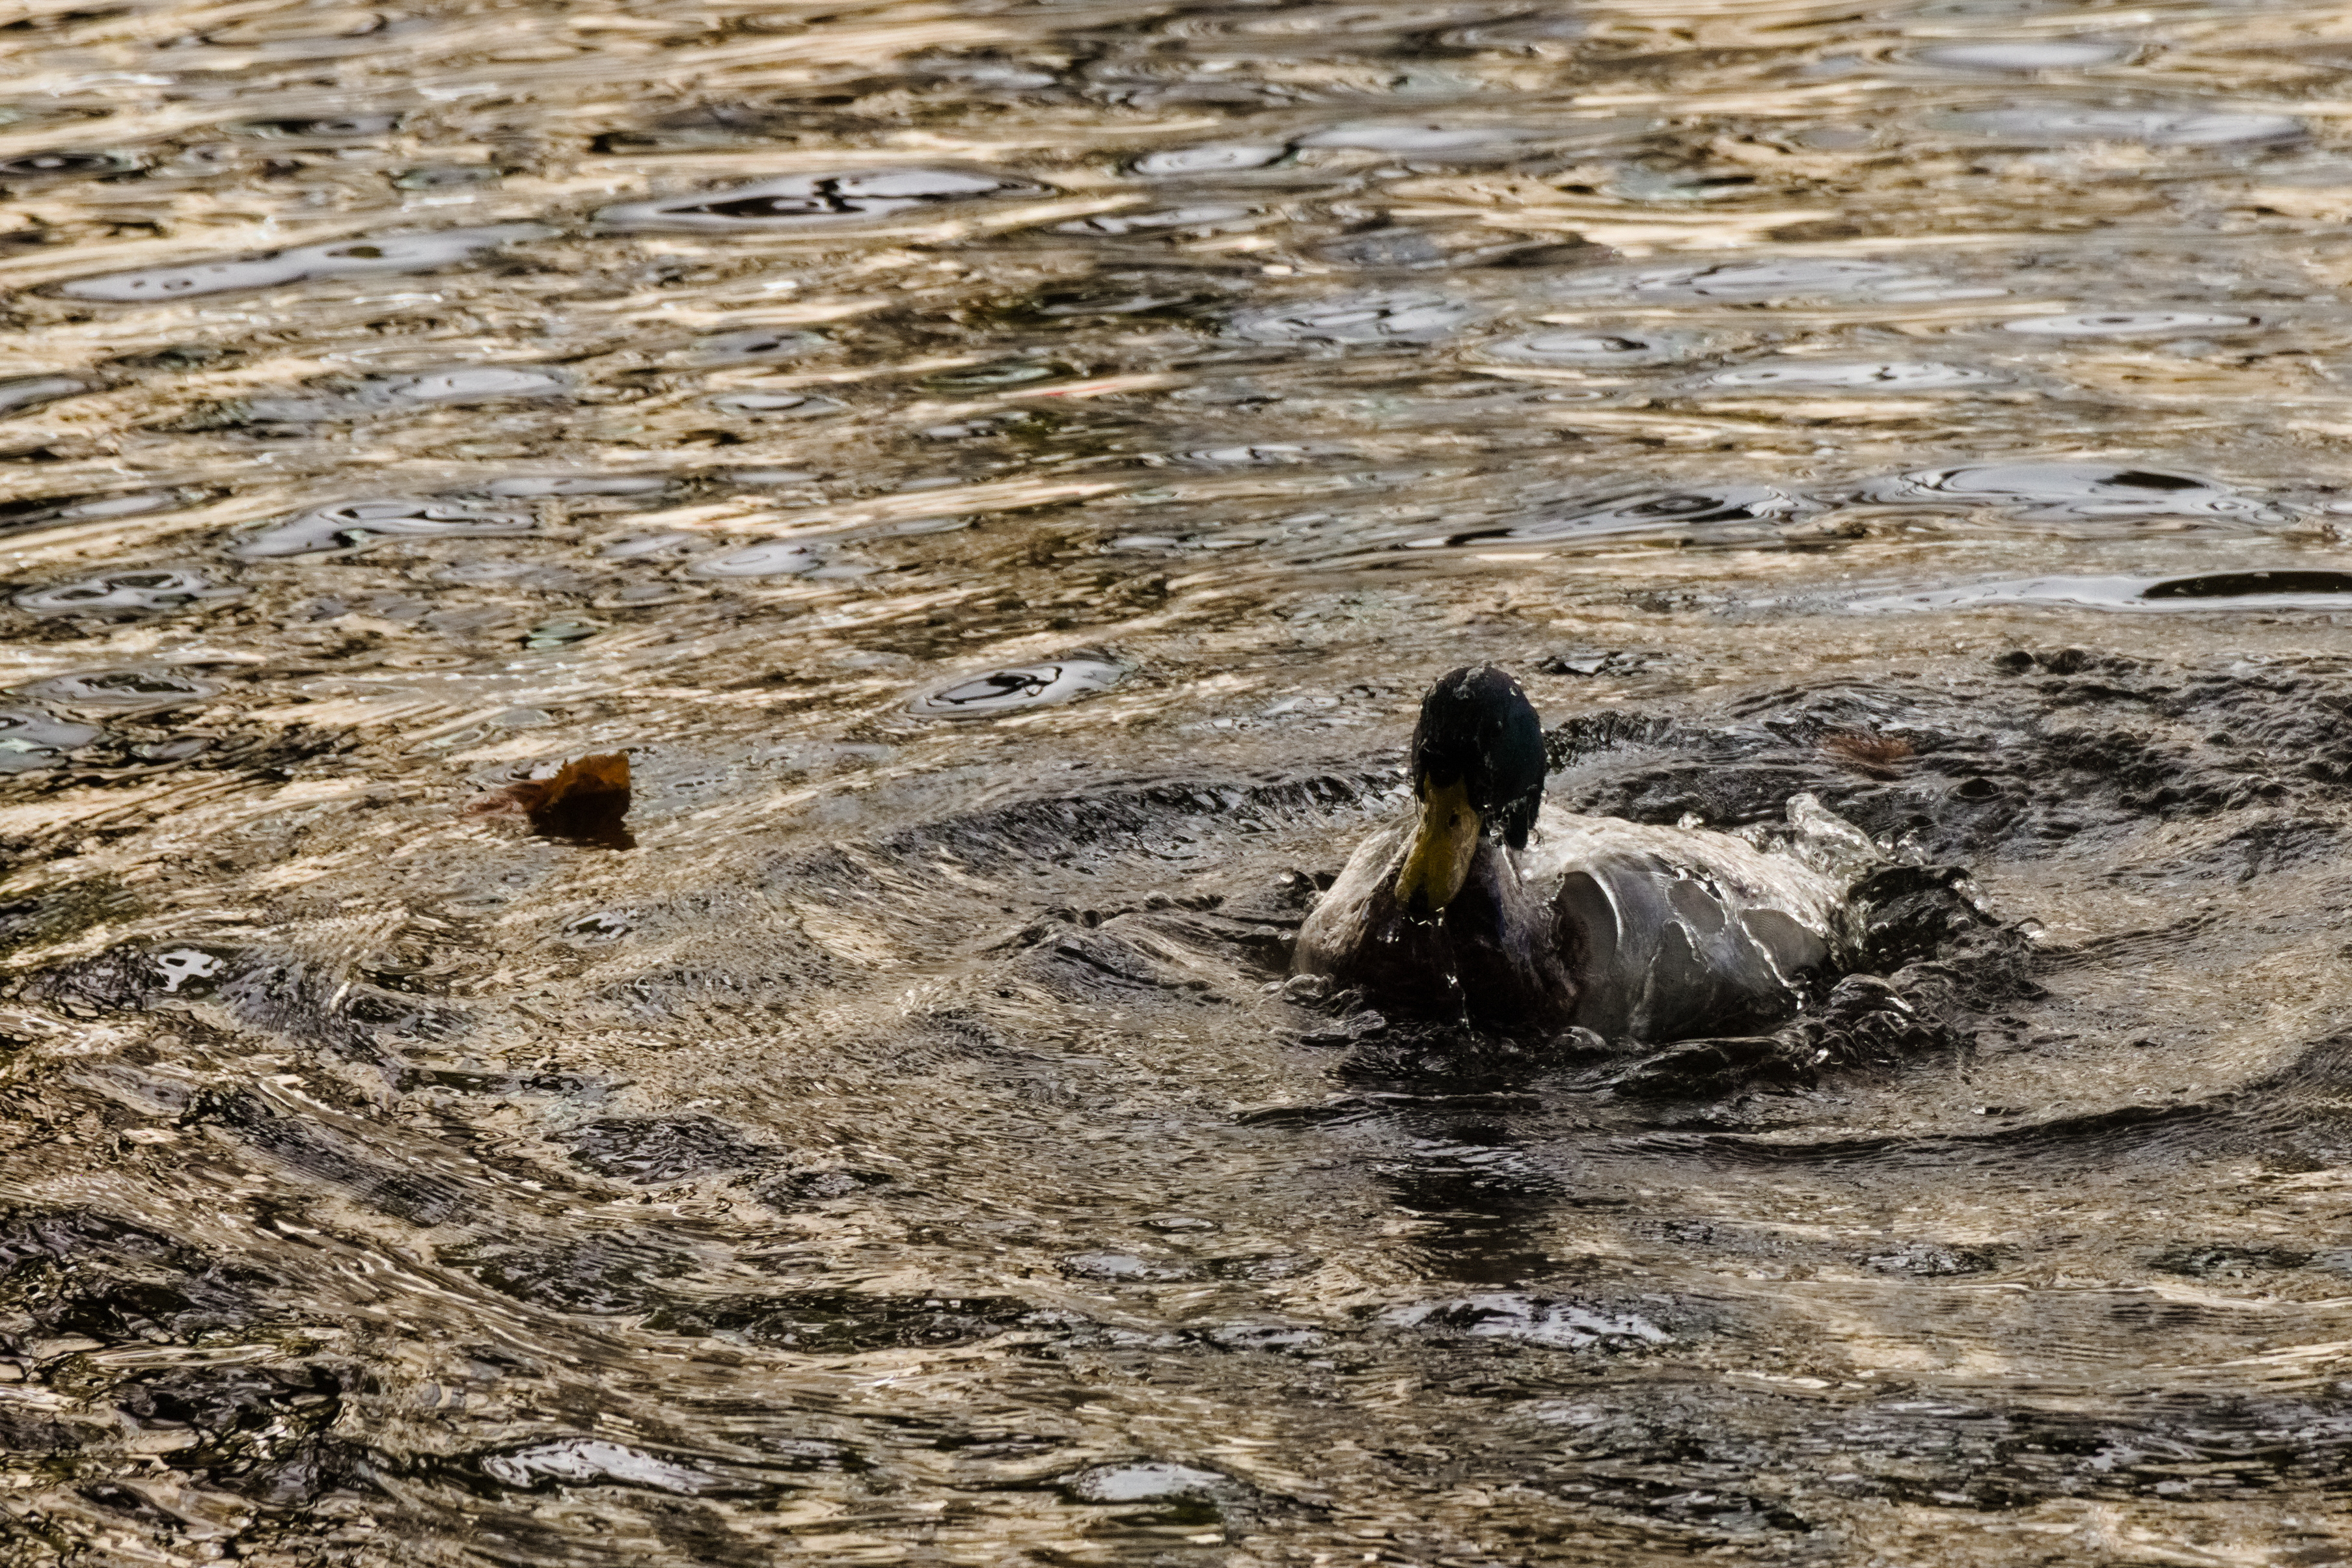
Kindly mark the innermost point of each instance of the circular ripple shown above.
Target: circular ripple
(1580, 346)
(122, 691)
(2156, 127)
(2068, 490)
(1016, 689)
(776, 558)
(1857, 375)
(353, 523)
(2129, 323)
(2054, 55)
(1208, 158)
(163, 589)
(1800, 277)
(1358, 319)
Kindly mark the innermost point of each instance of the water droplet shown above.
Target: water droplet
(799, 201)
(122, 590)
(1024, 686)
(393, 253)
(2054, 490)
(347, 524)
(1359, 319)
(2048, 55)
(2128, 323)
(1210, 158)
(2265, 585)
(125, 691)
(777, 558)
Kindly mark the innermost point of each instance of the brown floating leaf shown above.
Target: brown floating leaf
(585, 800)
(1871, 753)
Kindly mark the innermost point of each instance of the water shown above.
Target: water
(1004, 474)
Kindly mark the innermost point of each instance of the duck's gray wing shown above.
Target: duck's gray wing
(1676, 932)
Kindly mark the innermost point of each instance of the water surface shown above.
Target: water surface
(1004, 474)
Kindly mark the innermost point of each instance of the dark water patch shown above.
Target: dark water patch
(2249, 585)
(2178, 1446)
(597, 1277)
(843, 1322)
(264, 1434)
(81, 1271)
(345, 1162)
(1938, 1259)
(1603, 1328)
(2224, 1261)
(815, 201)
(649, 1151)
(797, 1190)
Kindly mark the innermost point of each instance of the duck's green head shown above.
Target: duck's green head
(1477, 773)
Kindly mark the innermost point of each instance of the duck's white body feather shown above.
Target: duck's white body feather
(1633, 931)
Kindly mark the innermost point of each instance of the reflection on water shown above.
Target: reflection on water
(968, 498)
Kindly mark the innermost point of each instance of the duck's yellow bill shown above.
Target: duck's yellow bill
(1443, 844)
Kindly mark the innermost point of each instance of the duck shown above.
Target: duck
(1485, 900)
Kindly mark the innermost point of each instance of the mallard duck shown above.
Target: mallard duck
(1488, 902)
